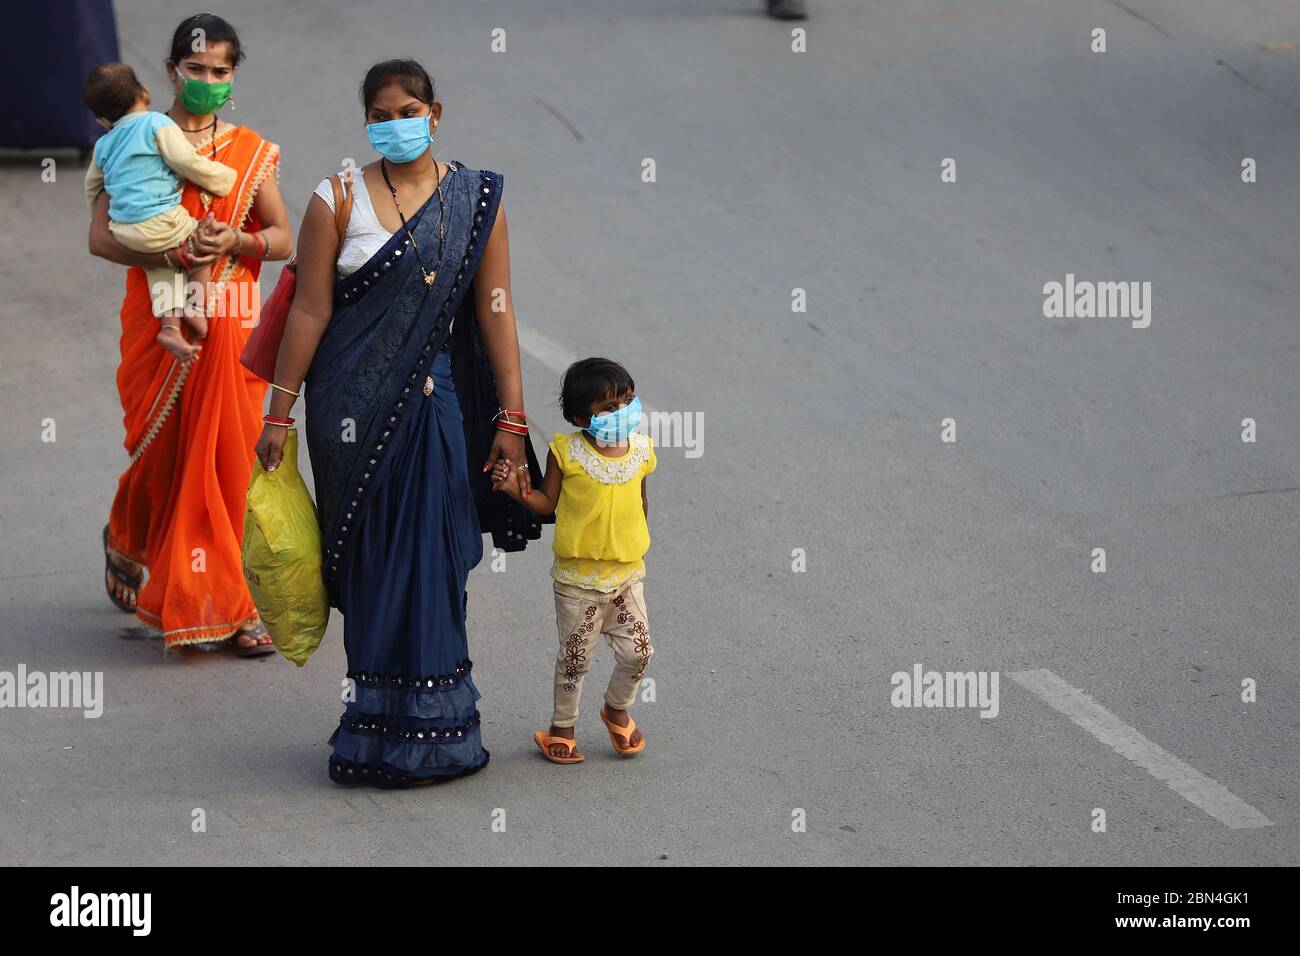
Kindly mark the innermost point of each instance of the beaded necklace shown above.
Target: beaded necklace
(429, 277)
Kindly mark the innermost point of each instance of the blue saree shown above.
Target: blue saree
(399, 401)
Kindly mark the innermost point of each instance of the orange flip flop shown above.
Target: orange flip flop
(545, 741)
(615, 732)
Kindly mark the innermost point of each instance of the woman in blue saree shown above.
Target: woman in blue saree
(403, 332)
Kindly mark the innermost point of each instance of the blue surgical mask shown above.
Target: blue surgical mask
(612, 428)
(401, 140)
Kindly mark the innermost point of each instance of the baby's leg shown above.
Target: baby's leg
(167, 293)
(172, 338)
(196, 306)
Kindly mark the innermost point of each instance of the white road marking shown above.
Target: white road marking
(555, 356)
(1195, 787)
(546, 350)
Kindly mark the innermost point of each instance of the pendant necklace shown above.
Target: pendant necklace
(429, 277)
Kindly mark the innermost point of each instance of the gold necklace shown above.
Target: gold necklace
(429, 277)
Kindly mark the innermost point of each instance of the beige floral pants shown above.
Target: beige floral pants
(583, 615)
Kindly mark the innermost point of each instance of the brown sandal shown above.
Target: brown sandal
(256, 632)
(131, 581)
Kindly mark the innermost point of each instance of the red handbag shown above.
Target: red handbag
(262, 349)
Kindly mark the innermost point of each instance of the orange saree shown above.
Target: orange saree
(179, 508)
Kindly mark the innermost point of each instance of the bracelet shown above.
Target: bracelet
(263, 245)
(285, 390)
(512, 428)
(505, 413)
(167, 260)
(180, 257)
(271, 420)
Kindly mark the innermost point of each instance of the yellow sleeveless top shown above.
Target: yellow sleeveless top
(601, 534)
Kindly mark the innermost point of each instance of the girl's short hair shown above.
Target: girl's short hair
(215, 30)
(408, 74)
(590, 380)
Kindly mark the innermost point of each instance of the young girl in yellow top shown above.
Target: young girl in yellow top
(595, 485)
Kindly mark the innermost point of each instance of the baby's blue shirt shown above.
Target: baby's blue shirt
(139, 184)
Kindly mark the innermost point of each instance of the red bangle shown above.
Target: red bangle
(262, 245)
(504, 414)
(512, 428)
(272, 420)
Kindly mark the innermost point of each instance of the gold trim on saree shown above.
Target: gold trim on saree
(265, 159)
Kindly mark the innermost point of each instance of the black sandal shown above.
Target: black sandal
(132, 581)
(256, 632)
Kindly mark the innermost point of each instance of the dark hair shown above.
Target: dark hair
(215, 30)
(591, 380)
(110, 90)
(406, 73)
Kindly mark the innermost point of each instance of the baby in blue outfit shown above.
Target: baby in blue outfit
(140, 162)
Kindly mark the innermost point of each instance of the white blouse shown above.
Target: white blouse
(365, 236)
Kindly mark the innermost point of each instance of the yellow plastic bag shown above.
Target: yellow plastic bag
(282, 557)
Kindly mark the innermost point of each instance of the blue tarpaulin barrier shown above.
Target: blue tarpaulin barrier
(48, 50)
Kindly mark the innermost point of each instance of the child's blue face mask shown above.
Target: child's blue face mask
(400, 140)
(612, 428)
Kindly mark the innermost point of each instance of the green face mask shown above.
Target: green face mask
(203, 98)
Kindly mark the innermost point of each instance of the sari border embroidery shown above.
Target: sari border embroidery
(487, 199)
(121, 555)
(172, 394)
(379, 724)
(259, 170)
(200, 634)
(348, 772)
(266, 158)
(367, 679)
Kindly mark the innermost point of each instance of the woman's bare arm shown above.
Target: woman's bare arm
(496, 313)
(268, 206)
(313, 302)
(105, 245)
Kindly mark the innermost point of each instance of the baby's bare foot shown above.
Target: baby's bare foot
(170, 338)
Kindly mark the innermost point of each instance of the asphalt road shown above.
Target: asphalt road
(776, 171)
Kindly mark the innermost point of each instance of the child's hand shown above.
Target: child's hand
(504, 478)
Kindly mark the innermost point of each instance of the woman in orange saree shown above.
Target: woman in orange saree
(190, 426)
